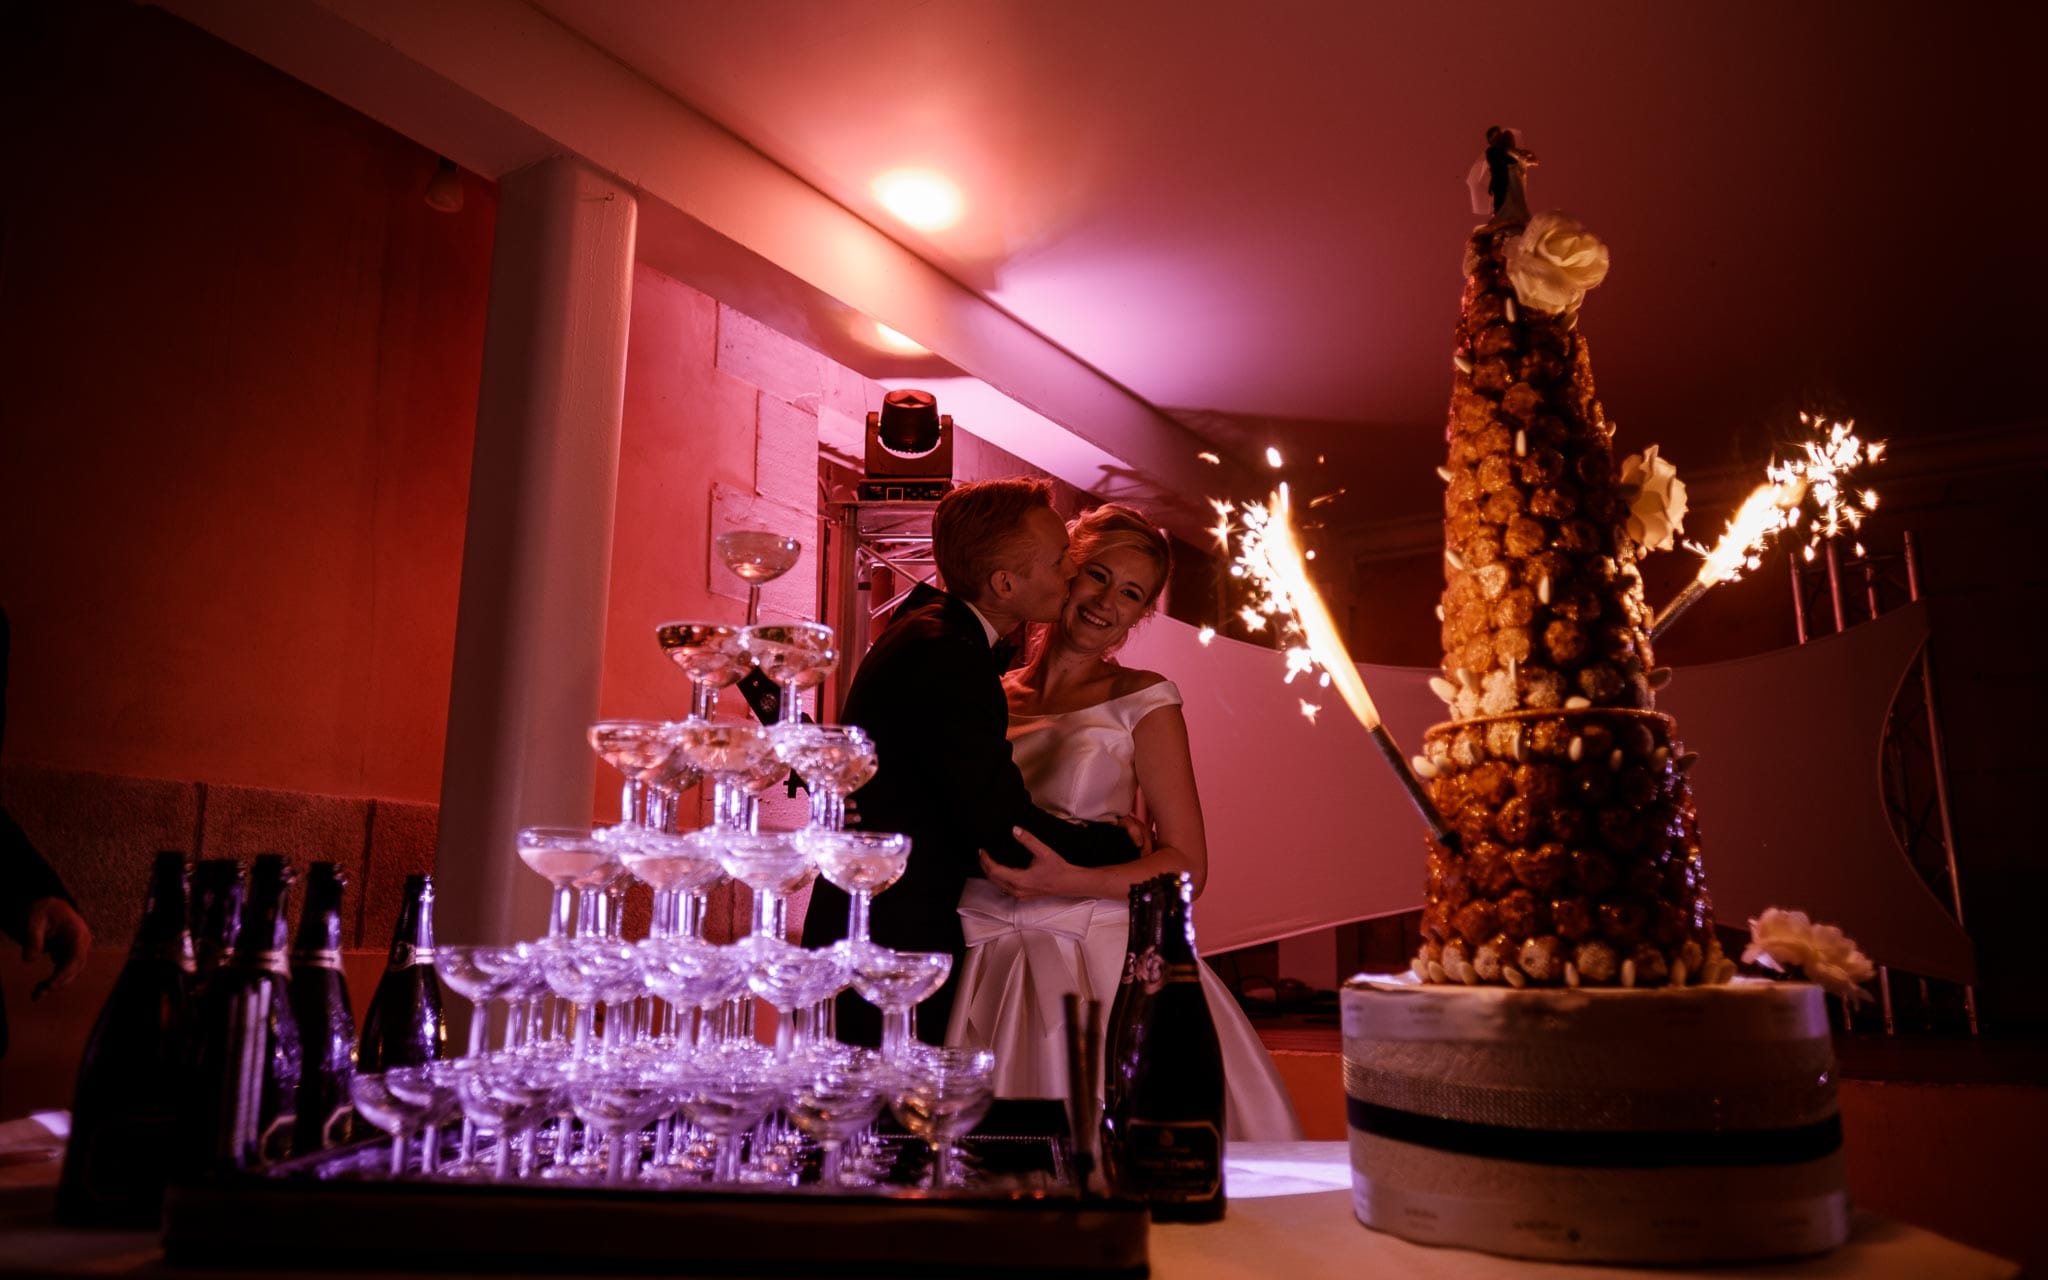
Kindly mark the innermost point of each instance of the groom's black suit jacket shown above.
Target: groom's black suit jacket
(930, 695)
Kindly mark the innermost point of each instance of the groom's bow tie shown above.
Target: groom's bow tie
(1003, 654)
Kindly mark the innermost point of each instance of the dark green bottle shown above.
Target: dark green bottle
(1169, 1131)
(125, 1109)
(327, 1024)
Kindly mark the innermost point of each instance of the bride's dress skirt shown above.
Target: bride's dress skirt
(1022, 957)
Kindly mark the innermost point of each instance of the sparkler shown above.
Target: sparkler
(1271, 560)
(1778, 504)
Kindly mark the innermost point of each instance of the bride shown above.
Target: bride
(1095, 740)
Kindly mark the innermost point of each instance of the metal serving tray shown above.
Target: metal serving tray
(1022, 1215)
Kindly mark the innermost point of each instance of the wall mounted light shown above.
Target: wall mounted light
(444, 189)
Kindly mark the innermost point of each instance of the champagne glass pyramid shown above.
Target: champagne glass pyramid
(795, 655)
(710, 653)
(833, 760)
(757, 556)
(638, 749)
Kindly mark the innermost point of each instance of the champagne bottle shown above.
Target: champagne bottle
(327, 1025)
(1170, 1136)
(124, 1112)
(404, 1026)
(216, 907)
(1116, 1040)
(242, 1100)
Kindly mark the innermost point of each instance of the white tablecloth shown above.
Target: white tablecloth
(1290, 1217)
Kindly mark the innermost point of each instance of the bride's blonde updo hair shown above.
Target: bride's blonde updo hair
(1114, 525)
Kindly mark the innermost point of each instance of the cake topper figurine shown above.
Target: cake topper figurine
(1496, 180)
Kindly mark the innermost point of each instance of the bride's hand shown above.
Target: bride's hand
(1048, 875)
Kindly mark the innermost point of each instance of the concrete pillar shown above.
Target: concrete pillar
(536, 559)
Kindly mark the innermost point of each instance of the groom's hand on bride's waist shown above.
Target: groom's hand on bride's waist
(1047, 875)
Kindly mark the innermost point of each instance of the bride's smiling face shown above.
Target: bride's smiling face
(1108, 596)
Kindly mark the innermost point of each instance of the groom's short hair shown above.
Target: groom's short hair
(979, 528)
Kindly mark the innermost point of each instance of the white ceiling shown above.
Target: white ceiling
(1252, 214)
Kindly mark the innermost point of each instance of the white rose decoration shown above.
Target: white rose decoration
(1656, 500)
(1554, 261)
(1788, 940)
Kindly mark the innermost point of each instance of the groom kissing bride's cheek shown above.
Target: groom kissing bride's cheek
(1019, 791)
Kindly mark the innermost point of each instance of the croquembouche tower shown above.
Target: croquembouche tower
(1570, 1072)
(1577, 857)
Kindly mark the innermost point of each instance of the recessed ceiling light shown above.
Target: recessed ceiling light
(896, 340)
(925, 200)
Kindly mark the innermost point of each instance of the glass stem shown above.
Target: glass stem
(792, 704)
(588, 919)
(561, 912)
(857, 916)
(768, 914)
(692, 921)
(895, 1033)
(663, 924)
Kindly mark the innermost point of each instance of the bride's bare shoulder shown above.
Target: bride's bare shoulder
(1128, 680)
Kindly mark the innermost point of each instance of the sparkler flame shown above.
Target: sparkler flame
(1780, 502)
(1270, 558)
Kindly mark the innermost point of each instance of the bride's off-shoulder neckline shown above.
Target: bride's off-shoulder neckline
(1106, 702)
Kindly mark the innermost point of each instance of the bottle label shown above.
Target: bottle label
(1172, 1159)
(271, 961)
(405, 955)
(325, 958)
(1150, 972)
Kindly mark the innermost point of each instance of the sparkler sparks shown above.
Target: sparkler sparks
(1272, 562)
(1779, 504)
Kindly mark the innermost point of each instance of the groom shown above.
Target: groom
(930, 695)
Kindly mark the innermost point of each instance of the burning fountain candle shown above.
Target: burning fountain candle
(1777, 505)
(1270, 557)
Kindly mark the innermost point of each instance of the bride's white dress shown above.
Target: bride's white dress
(1022, 957)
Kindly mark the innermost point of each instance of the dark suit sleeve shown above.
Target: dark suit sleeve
(25, 879)
(981, 781)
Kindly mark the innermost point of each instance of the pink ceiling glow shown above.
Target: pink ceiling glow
(1252, 214)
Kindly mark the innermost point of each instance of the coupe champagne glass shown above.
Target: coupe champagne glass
(833, 1100)
(726, 1094)
(896, 982)
(862, 863)
(639, 750)
(618, 1100)
(795, 655)
(568, 857)
(374, 1101)
(772, 864)
(693, 974)
(832, 759)
(790, 978)
(940, 1095)
(479, 975)
(431, 1089)
(757, 556)
(710, 653)
(726, 751)
(750, 786)
(681, 871)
